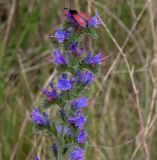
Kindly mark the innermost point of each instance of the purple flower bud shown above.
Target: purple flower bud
(77, 113)
(58, 58)
(39, 119)
(36, 158)
(67, 32)
(62, 114)
(79, 103)
(78, 121)
(54, 148)
(64, 75)
(76, 154)
(85, 78)
(86, 60)
(63, 84)
(46, 118)
(52, 94)
(81, 136)
(67, 130)
(46, 92)
(74, 49)
(72, 80)
(93, 60)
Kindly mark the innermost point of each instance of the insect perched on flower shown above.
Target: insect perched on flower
(80, 20)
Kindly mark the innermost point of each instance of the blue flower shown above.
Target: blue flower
(52, 94)
(62, 114)
(94, 22)
(85, 78)
(46, 118)
(72, 80)
(40, 119)
(80, 121)
(79, 103)
(36, 158)
(54, 148)
(60, 35)
(58, 58)
(36, 117)
(68, 31)
(96, 59)
(75, 49)
(77, 121)
(76, 154)
(63, 84)
(93, 60)
(81, 136)
(86, 60)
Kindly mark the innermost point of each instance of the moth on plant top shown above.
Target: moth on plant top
(77, 18)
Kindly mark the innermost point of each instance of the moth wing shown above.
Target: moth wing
(84, 16)
(79, 20)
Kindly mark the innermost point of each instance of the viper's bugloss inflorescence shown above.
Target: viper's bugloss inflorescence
(75, 73)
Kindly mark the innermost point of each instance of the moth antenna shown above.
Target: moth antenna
(51, 36)
(69, 4)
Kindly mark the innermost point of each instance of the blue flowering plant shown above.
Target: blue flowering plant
(75, 73)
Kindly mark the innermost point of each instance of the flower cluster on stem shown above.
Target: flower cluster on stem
(75, 70)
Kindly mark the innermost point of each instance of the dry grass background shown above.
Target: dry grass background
(122, 121)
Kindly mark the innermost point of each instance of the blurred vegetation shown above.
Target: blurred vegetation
(122, 110)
